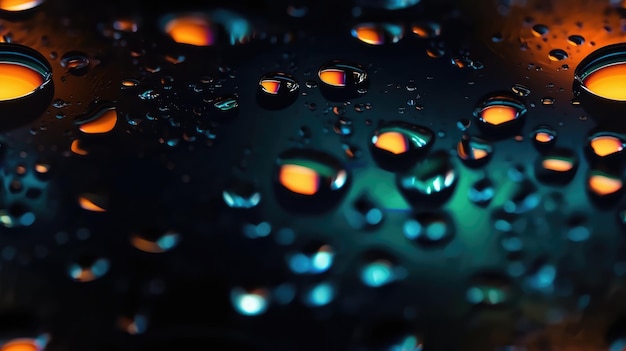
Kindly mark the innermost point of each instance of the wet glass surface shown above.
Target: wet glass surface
(312, 175)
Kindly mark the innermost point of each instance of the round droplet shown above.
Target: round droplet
(540, 30)
(433, 178)
(315, 258)
(398, 145)
(429, 229)
(556, 167)
(250, 302)
(544, 137)
(102, 119)
(309, 180)
(195, 29)
(473, 151)
(342, 80)
(576, 40)
(547, 101)
(19, 5)
(500, 115)
(239, 194)
(481, 192)
(155, 241)
(76, 62)
(520, 90)
(277, 90)
(606, 145)
(378, 33)
(489, 289)
(557, 55)
(88, 268)
(426, 30)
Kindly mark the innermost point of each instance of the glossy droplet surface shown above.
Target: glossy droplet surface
(604, 144)
(378, 33)
(603, 73)
(342, 80)
(239, 194)
(398, 145)
(603, 184)
(19, 5)
(474, 151)
(277, 90)
(429, 229)
(435, 175)
(558, 166)
(544, 136)
(101, 121)
(250, 302)
(88, 268)
(557, 55)
(377, 273)
(426, 29)
(152, 241)
(20, 74)
(316, 258)
(189, 28)
(76, 62)
(540, 30)
(576, 40)
(500, 113)
(481, 192)
(25, 344)
(489, 289)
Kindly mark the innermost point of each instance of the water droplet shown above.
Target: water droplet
(149, 95)
(521, 90)
(434, 178)
(540, 30)
(250, 302)
(473, 151)
(195, 29)
(605, 145)
(320, 294)
(576, 40)
(500, 114)
(602, 74)
(544, 137)
(88, 268)
(364, 214)
(489, 289)
(426, 29)
(129, 83)
(557, 55)
(239, 194)
(77, 148)
(19, 5)
(315, 258)
(341, 80)
(76, 62)
(309, 180)
(103, 120)
(378, 33)
(398, 145)
(463, 124)
(557, 167)
(547, 101)
(25, 344)
(435, 52)
(93, 202)
(429, 229)
(481, 192)
(604, 184)
(155, 241)
(277, 90)
(227, 105)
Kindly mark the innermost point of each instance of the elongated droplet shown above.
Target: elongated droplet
(93, 202)
(378, 33)
(342, 80)
(500, 114)
(102, 121)
(88, 268)
(398, 145)
(152, 241)
(473, 151)
(277, 90)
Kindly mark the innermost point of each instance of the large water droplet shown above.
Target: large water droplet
(19, 5)
(277, 90)
(102, 120)
(500, 115)
(250, 302)
(556, 167)
(433, 178)
(342, 80)
(194, 29)
(429, 229)
(88, 268)
(473, 151)
(309, 180)
(604, 185)
(606, 148)
(602, 74)
(25, 344)
(155, 241)
(398, 145)
(378, 33)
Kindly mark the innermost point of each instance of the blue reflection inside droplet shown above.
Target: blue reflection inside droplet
(237, 26)
(320, 295)
(377, 274)
(249, 304)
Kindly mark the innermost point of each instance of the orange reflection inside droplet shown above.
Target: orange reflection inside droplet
(145, 245)
(393, 142)
(84, 275)
(369, 35)
(557, 165)
(299, 179)
(192, 30)
(420, 31)
(335, 77)
(104, 122)
(17, 80)
(20, 345)
(498, 114)
(19, 5)
(603, 185)
(608, 82)
(77, 149)
(606, 145)
(543, 137)
(89, 204)
(270, 86)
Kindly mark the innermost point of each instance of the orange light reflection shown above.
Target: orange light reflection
(606, 145)
(602, 185)
(608, 82)
(334, 77)
(192, 30)
(393, 142)
(557, 165)
(299, 179)
(499, 114)
(17, 80)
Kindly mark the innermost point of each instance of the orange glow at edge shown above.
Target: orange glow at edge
(608, 82)
(334, 77)
(369, 35)
(499, 114)
(145, 245)
(102, 124)
(393, 142)
(87, 204)
(192, 30)
(557, 165)
(299, 179)
(543, 137)
(77, 149)
(19, 5)
(270, 86)
(20, 345)
(17, 81)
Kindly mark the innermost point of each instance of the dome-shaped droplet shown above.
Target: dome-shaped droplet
(540, 30)
(195, 29)
(15, 6)
(575, 40)
(557, 55)
(604, 184)
(75, 62)
(556, 167)
(314, 258)
(489, 289)
(543, 137)
(250, 302)
(309, 180)
(88, 268)
(500, 115)
(25, 343)
(473, 151)
(155, 241)
(602, 74)
(342, 80)
(102, 119)
(398, 145)
(240, 194)
(320, 294)
(378, 33)
(426, 29)
(606, 148)
(520, 90)
(277, 90)
(433, 178)
(481, 192)
(429, 229)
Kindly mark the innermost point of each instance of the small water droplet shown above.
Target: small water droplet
(364, 214)
(463, 124)
(473, 151)
(377, 273)
(149, 95)
(481, 192)
(342, 80)
(434, 178)
(155, 241)
(239, 194)
(539, 30)
(604, 184)
(314, 258)
(277, 90)
(397, 145)
(250, 302)
(576, 40)
(497, 37)
(76, 62)
(500, 114)
(426, 29)
(378, 33)
(102, 120)
(547, 101)
(544, 137)
(521, 90)
(557, 166)
(605, 145)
